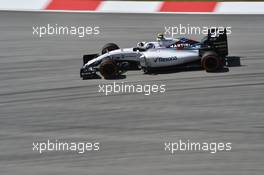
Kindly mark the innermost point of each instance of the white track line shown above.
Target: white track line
(23, 4)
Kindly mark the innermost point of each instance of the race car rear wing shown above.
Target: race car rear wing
(216, 41)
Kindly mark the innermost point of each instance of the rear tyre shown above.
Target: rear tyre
(211, 62)
(109, 47)
(109, 69)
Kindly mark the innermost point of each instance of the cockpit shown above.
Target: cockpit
(143, 46)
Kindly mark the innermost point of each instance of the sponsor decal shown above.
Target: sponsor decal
(167, 59)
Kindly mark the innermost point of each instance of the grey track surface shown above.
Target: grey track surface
(42, 97)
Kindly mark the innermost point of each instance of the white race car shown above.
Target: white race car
(164, 53)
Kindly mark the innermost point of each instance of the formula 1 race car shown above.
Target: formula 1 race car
(210, 54)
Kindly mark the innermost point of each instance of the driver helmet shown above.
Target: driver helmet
(141, 44)
(150, 46)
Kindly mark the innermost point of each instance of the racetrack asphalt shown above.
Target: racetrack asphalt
(42, 97)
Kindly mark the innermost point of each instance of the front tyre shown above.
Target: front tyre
(109, 47)
(109, 69)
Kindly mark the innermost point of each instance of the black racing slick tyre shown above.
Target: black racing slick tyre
(109, 47)
(211, 62)
(108, 69)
